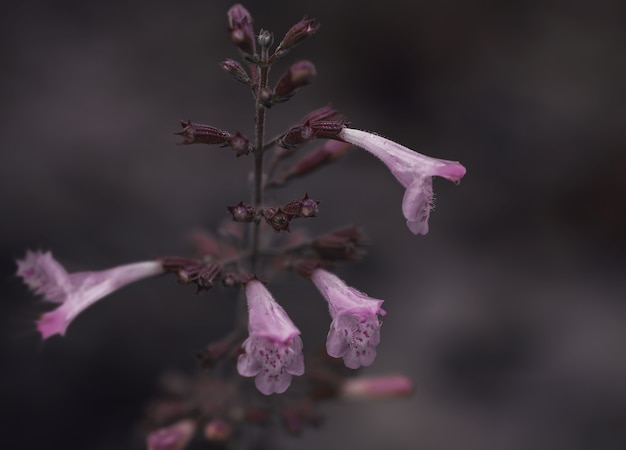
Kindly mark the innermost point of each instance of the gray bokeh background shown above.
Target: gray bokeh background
(509, 315)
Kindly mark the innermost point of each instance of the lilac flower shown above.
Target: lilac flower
(413, 170)
(355, 330)
(273, 351)
(76, 291)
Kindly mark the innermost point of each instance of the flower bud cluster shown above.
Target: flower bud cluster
(279, 218)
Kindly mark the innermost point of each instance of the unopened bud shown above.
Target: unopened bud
(296, 34)
(295, 136)
(266, 96)
(193, 271)
(206, 244)
(236, 70)
(306, 267)
(323, 113)
(230, 279)
(308, 207)
(266, 39)
(242, 212)
(174, 437)
(277, 219)
(322, 155)
(385, 386)
(218, 431)
(342, 244)
(240, 29)
(239, 144)
(205, 279)
(296, 416)
(214, 352)
(298, 75)
(198, 133)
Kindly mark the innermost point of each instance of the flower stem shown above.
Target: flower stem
(263, 69)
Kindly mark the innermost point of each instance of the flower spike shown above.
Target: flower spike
(76, 291)
(355, 329)
(413, 170)
(273, 350)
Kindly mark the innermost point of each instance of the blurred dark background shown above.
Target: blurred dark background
(509, 315)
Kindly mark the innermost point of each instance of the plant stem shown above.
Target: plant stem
(258, 157)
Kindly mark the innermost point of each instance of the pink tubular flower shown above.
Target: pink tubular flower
(355, 330)
(384, 386)
(76, 291)
(413, 170)
(273, 351)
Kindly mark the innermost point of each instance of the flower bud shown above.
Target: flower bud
(342, 244)
(265, 39)
(174, 437)
(322, 155)
(230, 279)
(206, 276)
(236, 70)
(296, 34)
(197, 133)
(295, 136)
(192, 271)
(240, 29)
(206, 244)
(218, 431)
(242, 212)
(297, 415)
(323, 113)
(298, 75)
(385, 386)
(308, 207)
(266, 96)
(239, 144)
(277, 219)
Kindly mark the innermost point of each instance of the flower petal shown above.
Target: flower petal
(336, 343)
(417, 204)
(44, 275)
(52, 323)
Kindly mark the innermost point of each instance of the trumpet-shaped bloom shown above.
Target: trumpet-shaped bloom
(355, 330)
(413, 170)
(76, 291)
(273, 350)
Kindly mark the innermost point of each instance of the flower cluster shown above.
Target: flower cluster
(265, 343)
